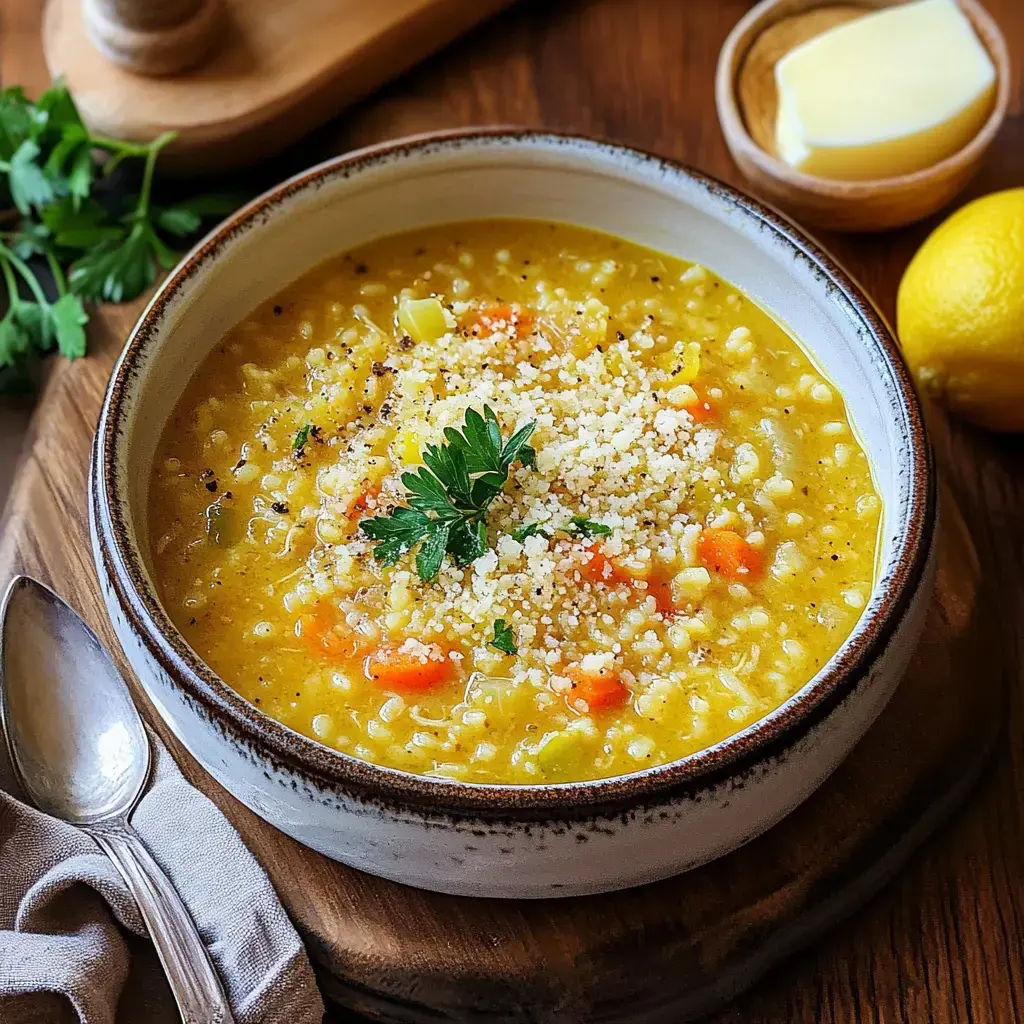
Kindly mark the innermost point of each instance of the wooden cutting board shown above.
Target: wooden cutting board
(274, 70)
(661, 953)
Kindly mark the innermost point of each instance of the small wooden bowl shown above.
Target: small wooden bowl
(746, 99)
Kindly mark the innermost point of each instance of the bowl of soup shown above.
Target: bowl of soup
(514, 514)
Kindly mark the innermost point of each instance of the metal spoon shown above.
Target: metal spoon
(81, 753)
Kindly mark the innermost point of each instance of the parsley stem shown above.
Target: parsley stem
(26, 272)
(119, 146)
(120, 150)
(58, 275)
(142, 207)
(12, 285)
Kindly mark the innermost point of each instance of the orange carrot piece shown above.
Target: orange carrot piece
(323, 636)
(600, 690)
(360, 505)
(702, 411)
(728, 554)
(659, 586)
(395, 668)
(602, 569)
(502, 317)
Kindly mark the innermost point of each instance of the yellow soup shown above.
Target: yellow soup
(513, 502)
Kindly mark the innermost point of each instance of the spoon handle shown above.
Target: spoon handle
(190, 972)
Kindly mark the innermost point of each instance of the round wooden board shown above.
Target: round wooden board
(665, 952)
(672, 951)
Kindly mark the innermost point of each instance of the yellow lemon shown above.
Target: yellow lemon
(960, 312)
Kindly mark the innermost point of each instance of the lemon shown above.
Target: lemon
(960, 312)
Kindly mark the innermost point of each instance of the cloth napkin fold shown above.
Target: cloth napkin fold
(72, 942)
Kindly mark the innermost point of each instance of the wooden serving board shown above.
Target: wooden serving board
(664, 952)
(277, 69)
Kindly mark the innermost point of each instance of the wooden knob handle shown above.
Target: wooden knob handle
(152, 37)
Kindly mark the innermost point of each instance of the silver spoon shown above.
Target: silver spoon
(81, 754)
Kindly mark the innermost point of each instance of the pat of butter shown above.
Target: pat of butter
(887, 94)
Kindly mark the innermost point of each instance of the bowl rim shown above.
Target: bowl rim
(121, 566)
(739, 139)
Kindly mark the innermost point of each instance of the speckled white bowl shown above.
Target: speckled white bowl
(504, 840)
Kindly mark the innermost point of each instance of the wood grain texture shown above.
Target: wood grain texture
(746, 101)
(275, 71)
(943, 942)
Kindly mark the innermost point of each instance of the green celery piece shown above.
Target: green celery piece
(222, 525)
(558, 752)
(301, 439)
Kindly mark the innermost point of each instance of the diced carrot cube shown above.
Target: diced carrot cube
(503, 318)
(702, 410)
(325, 636)
(600, 690)
(659, 586)
(409, 670)
(360, 505)
(728, 554)
(602, 569)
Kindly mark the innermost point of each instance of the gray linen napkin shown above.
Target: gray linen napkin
(70, 946)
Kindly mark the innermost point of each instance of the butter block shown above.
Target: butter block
(887, 94)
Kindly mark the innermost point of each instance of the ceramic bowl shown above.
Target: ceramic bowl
(515, 841)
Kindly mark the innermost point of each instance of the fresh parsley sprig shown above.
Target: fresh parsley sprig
(448, 497)
(51, 171)
(36, 323)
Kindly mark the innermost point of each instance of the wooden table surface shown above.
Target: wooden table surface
(943, 943)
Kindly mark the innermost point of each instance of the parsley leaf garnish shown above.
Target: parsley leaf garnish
(69, 319)
(504, 639)
(71, 239)
(301, 440)
(448, 497)
(520, 533)
(587, 527)
(27, 181)
(578, 525)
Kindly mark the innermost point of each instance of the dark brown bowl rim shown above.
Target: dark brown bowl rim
(120, 562)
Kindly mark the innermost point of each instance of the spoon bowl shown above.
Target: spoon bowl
(77, 742)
